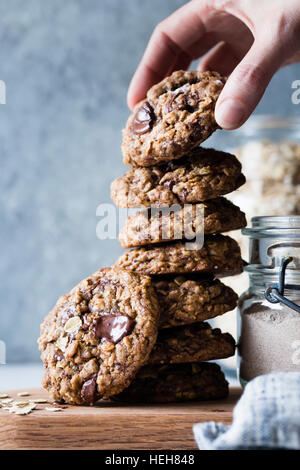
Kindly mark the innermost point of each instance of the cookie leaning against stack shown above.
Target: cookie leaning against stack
(160, 143)
(98, 336)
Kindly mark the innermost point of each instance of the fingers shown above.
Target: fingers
(223, 58)
(170, 40)
(197, 49)
(247, 84)
(292, 60)
(182, 62)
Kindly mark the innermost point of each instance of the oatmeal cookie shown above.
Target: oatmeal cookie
(202, 174)
(98, 336)
(162, 225)
(192, 343)
(176, 116)
(220, 254)
(175, 383)
(189, 299)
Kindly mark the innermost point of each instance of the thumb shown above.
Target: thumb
(246, 85)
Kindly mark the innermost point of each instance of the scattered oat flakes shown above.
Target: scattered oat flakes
(17, 407)
(23, 394)
(20, 404)
(38, 400)
(25, 410)
(3, 395)
(53, 409)
(6, 401)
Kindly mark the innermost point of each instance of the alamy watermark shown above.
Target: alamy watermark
(296, 354)
(2, 352)
(296, 94)
(176, 222)
(2, 92)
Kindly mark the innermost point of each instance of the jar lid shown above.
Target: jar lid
(274, 226)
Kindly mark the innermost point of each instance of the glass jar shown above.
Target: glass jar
(269, 330)
(268, 146)
(258, 128)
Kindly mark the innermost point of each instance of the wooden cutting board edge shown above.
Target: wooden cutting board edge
(111, 426)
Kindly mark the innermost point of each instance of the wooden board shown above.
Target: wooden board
(109, 425)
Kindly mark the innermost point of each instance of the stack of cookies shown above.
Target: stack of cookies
(137, 331)
(170, 170)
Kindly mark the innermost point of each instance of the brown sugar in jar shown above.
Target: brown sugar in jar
(269, 330)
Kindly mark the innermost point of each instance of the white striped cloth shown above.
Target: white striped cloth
(267, 416)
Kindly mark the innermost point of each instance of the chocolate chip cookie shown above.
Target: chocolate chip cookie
(162, 225)
(220, 254)
(176, 116)
(189, 299)
(175, 383)
(193, 343)
(98, 336)
(202, 174)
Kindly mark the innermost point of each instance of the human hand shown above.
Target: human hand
(246, 39)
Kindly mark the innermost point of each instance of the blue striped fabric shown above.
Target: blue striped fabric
(267, 416)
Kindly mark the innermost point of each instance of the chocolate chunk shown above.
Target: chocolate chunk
(143, 119)
(85, 323)
(59, 402)
(89, 390)
(170, 103)
(169, 184)
(182, 196)
(185, 102)
(58, 356)
(113, 327)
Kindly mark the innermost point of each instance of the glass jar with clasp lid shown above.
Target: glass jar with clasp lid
(269, 312)
(268, 146)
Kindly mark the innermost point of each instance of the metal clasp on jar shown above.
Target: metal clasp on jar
(275, 292)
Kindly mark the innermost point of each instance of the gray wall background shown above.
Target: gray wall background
(67, 65)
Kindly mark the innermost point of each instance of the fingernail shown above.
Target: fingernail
(229, 114)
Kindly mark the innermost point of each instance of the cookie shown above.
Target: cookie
(220, 254)
(176, 116)
(202, 174)
(176, 383)
(192, 343)
(189, 299)
(162, 225)
(98, 336)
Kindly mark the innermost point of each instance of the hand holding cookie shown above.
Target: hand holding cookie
(248, 40)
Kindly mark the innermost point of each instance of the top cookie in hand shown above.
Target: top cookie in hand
(176, 116)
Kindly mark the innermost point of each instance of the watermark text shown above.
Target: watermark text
(155, 224)
(2, 352)
(296, 94)
(2, 92)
